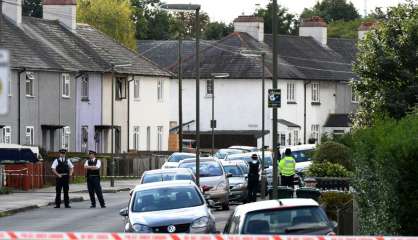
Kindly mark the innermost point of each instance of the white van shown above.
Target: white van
(11, 147)
(302, 155)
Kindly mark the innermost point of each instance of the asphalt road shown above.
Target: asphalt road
(80, 218)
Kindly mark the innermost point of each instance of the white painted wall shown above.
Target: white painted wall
(318, 33)
(13, 10)
(255, 29)
(65, 14)
(148, 111)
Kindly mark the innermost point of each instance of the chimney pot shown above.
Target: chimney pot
(253, 25)
(314, 27)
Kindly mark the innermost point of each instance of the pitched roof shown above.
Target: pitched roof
(345, 47)
(338, 120)
(114, 53)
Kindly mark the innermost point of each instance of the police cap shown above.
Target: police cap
(63, 151)
(92, 152)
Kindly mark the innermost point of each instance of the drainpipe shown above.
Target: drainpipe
(304, 110)
(18, 103)
(77, 116)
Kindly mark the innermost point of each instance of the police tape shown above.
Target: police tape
(130, 236)
(51, 175)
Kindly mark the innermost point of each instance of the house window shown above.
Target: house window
(136, 138)
(6, 136)
(315, 132)
(65, 85)
(354, 96)
(296, 137)
(282, 139)
(10, 86)
(29, 137)
(291, 92)
(30, 78)
(137, 87)
(209, 87)
(159, 138)
(148, 138)
(84, 138)
(65, 141)
(289, 139)
(315, 93)
(85, 88)
(160, 90)
(121, 88)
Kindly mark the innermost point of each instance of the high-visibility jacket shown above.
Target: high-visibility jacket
(287, 166)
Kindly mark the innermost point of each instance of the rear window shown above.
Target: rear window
(179, 157)
(150, 178)
(207, 169)
(234, 170)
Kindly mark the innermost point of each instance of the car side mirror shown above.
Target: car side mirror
(124, 212)
(228, 175)
(211, 203)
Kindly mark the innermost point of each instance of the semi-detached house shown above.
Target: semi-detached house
(61, 82)
(314, 76)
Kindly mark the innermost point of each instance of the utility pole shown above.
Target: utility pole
(112, 179)
(180, 72)
(263, 86)
(197, 98)
(276, 181)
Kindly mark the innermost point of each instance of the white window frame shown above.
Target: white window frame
(137, 89)
(85, 88)
(29, 136)
(160, 90)
(354, 96)
(6, 135)
(291, 96)
(282, 139)
(84, 136)
(66, 137)
(209, 87)
(296, 137)
(10, 86)
(316, 93)
(29, 84)
(136, 137)
(66, 85)
(148, 138)
(160, 138)
(120, 88)
(315, 132)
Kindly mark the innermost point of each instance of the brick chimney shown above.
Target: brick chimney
(12, 9)
(65, 11)
(252, 25)
(364, 28)
(314, 27)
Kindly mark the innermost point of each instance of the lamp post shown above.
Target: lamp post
(276, 180)
(212, 123)
(196, 9)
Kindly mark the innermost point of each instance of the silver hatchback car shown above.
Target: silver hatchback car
(172, 207)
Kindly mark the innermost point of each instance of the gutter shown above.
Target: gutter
(19, 73)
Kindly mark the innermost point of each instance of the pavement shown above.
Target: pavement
(26, 200)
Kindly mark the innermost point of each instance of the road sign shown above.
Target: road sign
(275, 98)
(4, 81)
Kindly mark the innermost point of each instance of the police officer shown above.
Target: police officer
(287, 166)
(253, 178)
(92, 167)
(63, 170)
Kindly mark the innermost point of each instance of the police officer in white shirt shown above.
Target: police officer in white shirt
(93, 179)
(63, 170)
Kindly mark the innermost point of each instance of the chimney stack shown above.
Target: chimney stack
(314, 27)
(65, 11)
(364, 28)
(252, 25)
(12, 9)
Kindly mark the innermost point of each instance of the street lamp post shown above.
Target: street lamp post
(276, 180)
(196, 9)
(212, 123)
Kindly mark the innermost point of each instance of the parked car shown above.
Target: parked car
(213, 179)
(221, 154)
(172, 207)
(238, 190)
(268, 160)
(246, 148)
(242, 163)
(280, 217)
(302, 155)
(170, 174)
(175, 158)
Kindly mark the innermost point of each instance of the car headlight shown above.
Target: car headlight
(200, 222)
(221, 186)
(141, 228)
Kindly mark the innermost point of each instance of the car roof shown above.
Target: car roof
(227, 163)
(184, 153)
(155, 185)
(204, 159)
(169, 170)
(243, 147)
(299, 147)
(275, 204)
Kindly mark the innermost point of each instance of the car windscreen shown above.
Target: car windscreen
(268, 161)
(285, 221)
(303, 155)
(168, 198)
(234, 170)
(162, 177)
(207, 169)
(223, 153)
(239, 157)
(179, 157)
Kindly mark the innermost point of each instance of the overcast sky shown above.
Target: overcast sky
(227, 10)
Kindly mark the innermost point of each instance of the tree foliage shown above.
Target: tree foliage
(287, 23)
(332, 10)
(387, 67)
(344, 29)
(333, 152)
(217, 30)
(32, 8)
(113, 17)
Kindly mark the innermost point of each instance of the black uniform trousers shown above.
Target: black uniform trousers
(93, 185)
(253, 183)
(288, 181)
(62, 184)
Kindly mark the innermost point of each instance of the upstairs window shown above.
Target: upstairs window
(315, 93)
(137, 88)
(121, 88)
(30, 78)
(160, 90)
(291, 92)
(85, 88)
(209, 87)
(65, 85)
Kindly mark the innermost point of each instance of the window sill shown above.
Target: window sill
(137, 99)
(30, 96)
(291, 102)
(208, 95)
(315, 103)
(66, 97)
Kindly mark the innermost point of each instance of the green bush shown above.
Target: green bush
(334, 152)
(5, 190)
(327, 169)
(334, 201)
(386, 177)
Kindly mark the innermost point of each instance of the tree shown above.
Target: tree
(32, 8)
(344, 29)
(217, 30)
(387, 67)
(286, 22)
(113, 17)
(332, 10)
